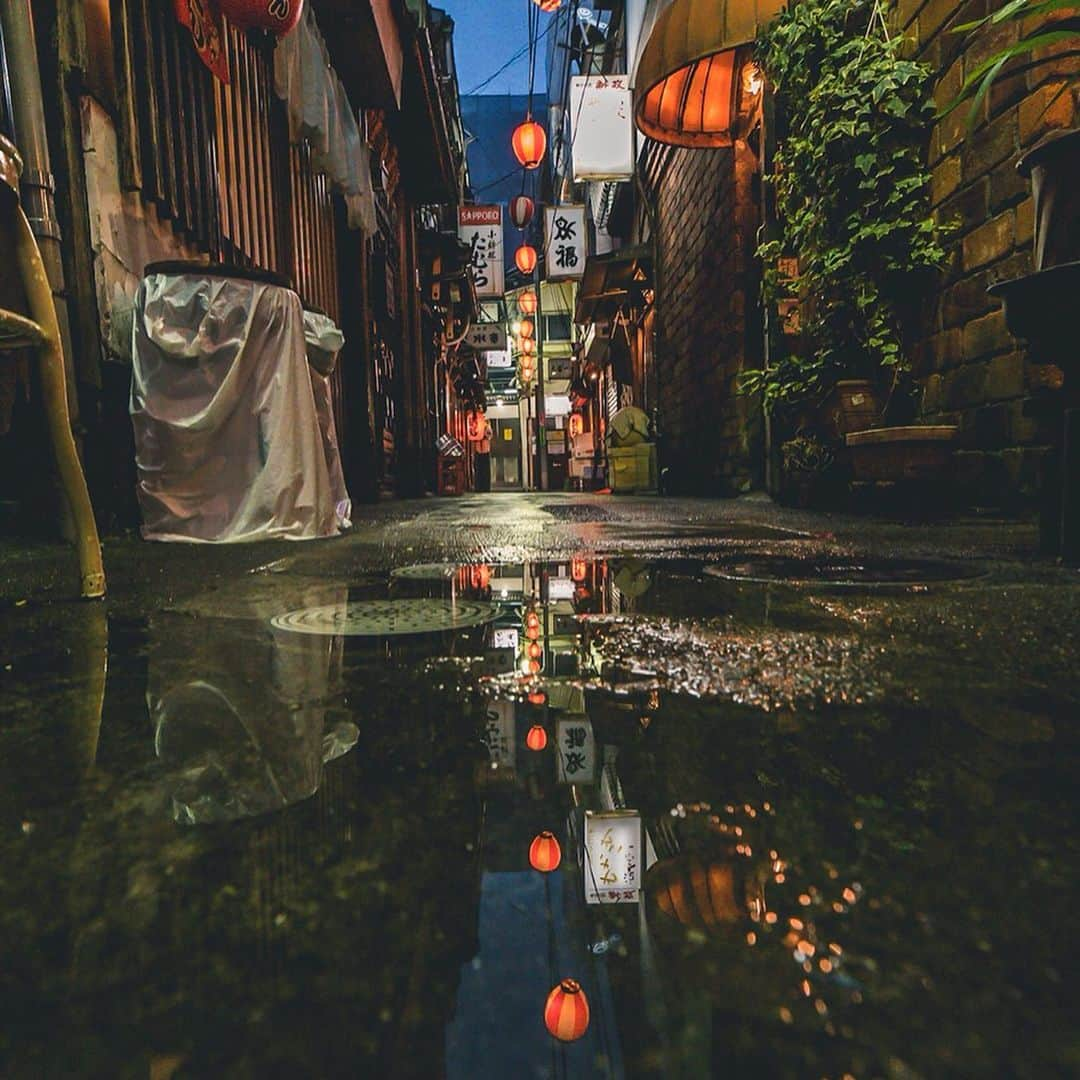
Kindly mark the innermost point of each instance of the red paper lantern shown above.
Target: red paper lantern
(537, 737)
(538, 697)
(535, 650)
(532, 619)
(522, 209)
(277, 16)
(577, 425)
(545, 853)
(525, 258)
(534, 669)
(547, 5)
(529, 143)
(526, 328)
(527, 346)
(527, 303)
(566, 1013)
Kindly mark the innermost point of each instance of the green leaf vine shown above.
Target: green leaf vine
(852, 194)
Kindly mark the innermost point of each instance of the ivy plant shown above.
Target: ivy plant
(852, 194)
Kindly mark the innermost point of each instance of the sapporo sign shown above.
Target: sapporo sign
(481, 228)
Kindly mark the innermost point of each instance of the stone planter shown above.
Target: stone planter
(901, 453)
(1053, 166)
(852, 405)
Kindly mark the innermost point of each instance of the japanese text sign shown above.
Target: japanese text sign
(564, 242)
(612, 857)
(575, 746)
(486, 336)
(481, 228)
(499, 733)
(602, 135)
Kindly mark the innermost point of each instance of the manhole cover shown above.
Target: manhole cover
(387, 618)
(846, 572)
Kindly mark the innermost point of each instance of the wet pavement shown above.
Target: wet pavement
(281, 810)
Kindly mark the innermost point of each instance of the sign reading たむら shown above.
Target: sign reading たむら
(481, 228)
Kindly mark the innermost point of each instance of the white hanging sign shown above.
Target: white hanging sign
(602, 127)
(499, 359)
(481, 228)
(564, 242)
(612, 868)
(485, 337)
(575, 746)
(499, 733)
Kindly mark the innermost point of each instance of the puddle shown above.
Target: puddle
(356, 828)
(854, 572)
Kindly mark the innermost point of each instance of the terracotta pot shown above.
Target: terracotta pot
(901, 453)
(852, 405)
(1053, 165)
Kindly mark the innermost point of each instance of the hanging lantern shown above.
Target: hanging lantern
(527, 346)
(475, 423)
(577, 425)
(578, 567)
(526, 328)
(566, 1013)
(538, 697)
(527, 302)
(537, 736)
(532, 632)
(535, 650)
(532, 619)
(522, 209)
(525, 258)
(534, 669)
(529, 143)
(547, 5)
(545, 853)
(277, 16)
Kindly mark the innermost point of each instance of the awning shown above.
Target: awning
(687, 85)
(366, 48)
(612, 281)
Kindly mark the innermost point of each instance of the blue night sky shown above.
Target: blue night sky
(487, 33)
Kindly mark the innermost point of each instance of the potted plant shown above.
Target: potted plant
(852, 207)
(807, 461)
(1048, 33)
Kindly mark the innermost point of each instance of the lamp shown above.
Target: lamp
(529, 142)
(566, 1011)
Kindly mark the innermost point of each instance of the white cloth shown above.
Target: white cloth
(227, 437)
(320, 112)
(324, 341)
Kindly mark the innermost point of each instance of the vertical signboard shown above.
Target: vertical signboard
(612, 857)
(499, 733)
(575, 746)
(602, 128)
(564, 242)
(481, 228)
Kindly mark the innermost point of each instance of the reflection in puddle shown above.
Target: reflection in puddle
(663, 815)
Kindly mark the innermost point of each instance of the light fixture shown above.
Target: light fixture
(525, 258)
(529, 143)
(547, 5)
(522, 209)
(566, 1011)
(527, 302)
(545, 853)
(526, 328)
(536, 739)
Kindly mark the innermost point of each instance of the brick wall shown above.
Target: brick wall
(972, 370)
(707, 296)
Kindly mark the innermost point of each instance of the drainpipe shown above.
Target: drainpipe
(38, 236)
(38, 185)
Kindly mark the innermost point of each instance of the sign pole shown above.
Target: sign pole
(541, 403)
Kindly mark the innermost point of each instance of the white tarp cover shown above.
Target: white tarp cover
(227, 438)
(324, 341)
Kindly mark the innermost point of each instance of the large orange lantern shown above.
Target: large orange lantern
(526, 328)
(538, 697)
(530, 143)
(566, 1013)
(277, 16)
(545, 853)
(527, 303)
(525, 258)
(537, 737)
(522, 209)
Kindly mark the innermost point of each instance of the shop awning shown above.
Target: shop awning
(366, 48)
(687, 84)
(612, 281)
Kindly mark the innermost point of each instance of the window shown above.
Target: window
(557, 327)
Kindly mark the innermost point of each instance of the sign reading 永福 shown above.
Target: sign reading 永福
(575, 746)
(481, 228)
(564, 241)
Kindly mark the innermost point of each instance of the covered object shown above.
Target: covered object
(227, 438)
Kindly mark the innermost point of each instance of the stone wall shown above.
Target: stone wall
(707, 281)
(972, 370)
